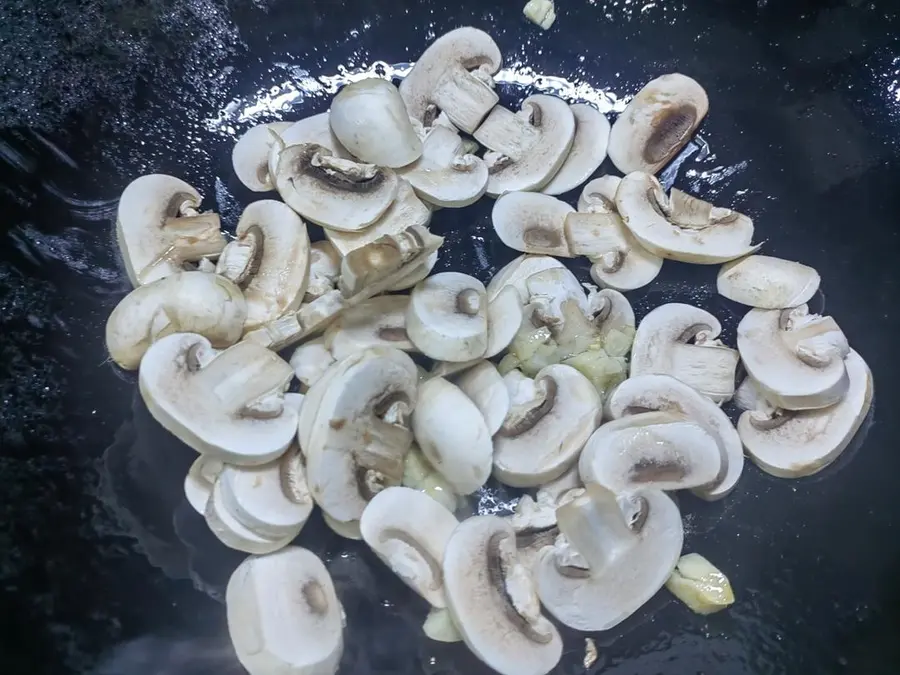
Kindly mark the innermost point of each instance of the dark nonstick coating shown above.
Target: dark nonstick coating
(97, 548)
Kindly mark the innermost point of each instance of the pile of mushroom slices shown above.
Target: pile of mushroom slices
(537, 380)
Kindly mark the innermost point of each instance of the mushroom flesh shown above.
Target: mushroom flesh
(533, 223)
(587, 153)
(767, 283)
(446, 175)
(447, 317)
(379, 321)
(484, 385)
(250, 156)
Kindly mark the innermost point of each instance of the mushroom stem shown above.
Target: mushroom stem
(347, 168)
(817, 340)
(706, 366)
(594, 525)
(192, 238)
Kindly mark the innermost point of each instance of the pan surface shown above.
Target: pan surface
(99, 553)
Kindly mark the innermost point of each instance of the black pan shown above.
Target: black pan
(98, 552)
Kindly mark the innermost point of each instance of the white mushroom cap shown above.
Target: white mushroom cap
(446, 175)
(453, 435)
(662, 347)
(185, 302)
(447, 317)
(158, 228)
(549, 294)
(408, 530)
(529, 147)
(315, 129)
(630, 546)
(532, 222)
(406, 211)
(662, 392)
(417, 274)
(648, 213)
(652, 450)
(657, 123)
(198, 483)
(419, 474)
(272, 500)
(505, 315)
(599, 196)
(492, 599)
(370, 120)
(485, 386)
(250, 156)
(796, 358)
(440, 79)
(336, 193)
(768, 283)
(516, 274)
(310, 361)
(235, 535)
(587, 153)
(324, 269)
(228, 404)
(284, 616)
(542, 438)
(796, 444)
(377, 322)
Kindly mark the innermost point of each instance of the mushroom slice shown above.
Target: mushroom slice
(492, 599)
(408, 530)
(272, 500)
(657, 123)
(792, 444)
(226, 404)
(185, 302)
(599, 196)
(505, 315)
(439, 626)
(250, 156)
(440, 80)
(652, 219)
(234, 534)
(748, 397)
(378, 322)
(369, 119)
(417, 274)
(528, 148)
(483, 384)
(795, 357)
(419, 474)
(324, 269)
(767, 283)
(630, 546)
(665, 393)
(541, 438)
(348, 530)
(532, 222)
(587, 153)
(284, 616)
(406, 211)
(662, 346)
(446, 175)
(699, 585)
(557, 301)
(619, 261)
(315, 129)
(340, 194)
(159, 228)
(453, 435)
(516, 274)
(447, 317)
(535, 525)
(655, 450)
(359, 435)
(275, 273)
(310, 361)
(198, 484)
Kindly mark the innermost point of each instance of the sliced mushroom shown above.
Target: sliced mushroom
(198, 484)
(653, 219)
(535, 525)
(699, 585)
(587, 153)
(336, 193)
(532, 222)
(665, 393)
(439, 626)
(554, 491)
(484, 385)
(627, 548)
(315, 129)
(377, 322)
(795, 357)
(348, 530)
(516, 274)
(492, 600)
(541, 438)
(505, 315)
(159, 228)
(235, 535)
(408, 531)
(792, 444)
(446, 175)
(359, 434)
(284, 616)
(324, 269)
(662, 346)
(185, 302)
(657, 123)
(749, 397)
(528, 148)
(599, 196)
(652, 450)
(406, 211)
(419, 474)
(310, 361)
(447, 317)
(441, 81)
(557, 300)
(767, 283)
(272, 500)
(250, 156)
(453, 435)
(226, 404)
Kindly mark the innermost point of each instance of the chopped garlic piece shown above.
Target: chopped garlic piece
(590, 653)
(541, 12)
(699, 585)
